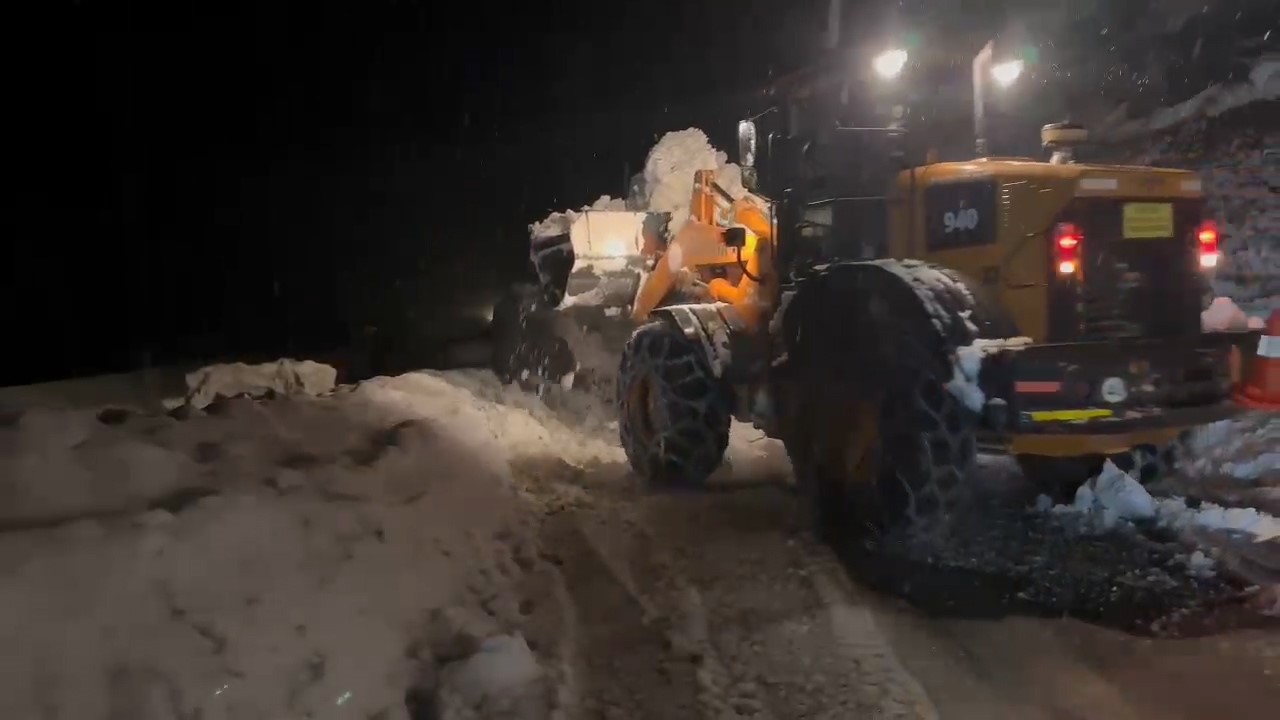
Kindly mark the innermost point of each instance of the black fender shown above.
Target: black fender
(959, 309)
(713, 326)
(962, 310)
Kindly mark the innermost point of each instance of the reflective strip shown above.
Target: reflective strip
(1101, 183)
(1269, 347)
(1191, 186)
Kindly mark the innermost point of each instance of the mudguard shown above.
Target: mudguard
(961, 311)
(711, 325)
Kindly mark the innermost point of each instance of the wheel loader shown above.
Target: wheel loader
(1049, 309)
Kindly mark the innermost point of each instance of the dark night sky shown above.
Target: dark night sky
(210, 181)
(200, 180)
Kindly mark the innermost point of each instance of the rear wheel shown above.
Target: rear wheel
(876, 439)
(673, 417)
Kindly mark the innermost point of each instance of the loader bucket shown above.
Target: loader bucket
(569, 331)
(599, 259)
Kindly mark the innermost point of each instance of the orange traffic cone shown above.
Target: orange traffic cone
(1260, 386)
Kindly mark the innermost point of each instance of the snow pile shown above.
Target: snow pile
(354, 555)
(1115, 496)
(669, 170)
(1246, 450)
(1223, 314)
(1109, 498)
(284, 377)
(967, 367)
(667, 185)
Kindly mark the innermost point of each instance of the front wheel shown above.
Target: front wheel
(673, 412)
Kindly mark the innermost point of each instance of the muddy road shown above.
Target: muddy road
(710, 605)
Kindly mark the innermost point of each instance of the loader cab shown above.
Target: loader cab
(828, 182)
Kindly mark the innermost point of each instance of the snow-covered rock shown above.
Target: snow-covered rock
(284, 376)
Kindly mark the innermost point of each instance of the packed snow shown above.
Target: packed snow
(1247, 451)
(967, 367)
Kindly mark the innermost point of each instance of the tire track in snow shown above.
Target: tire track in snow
(626, 665)
(790, 634)
(764, 630)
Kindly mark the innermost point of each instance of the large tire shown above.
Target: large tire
(674, 413)
(876, 440)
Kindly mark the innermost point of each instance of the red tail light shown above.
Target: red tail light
(1207, 244)
(1067, 242)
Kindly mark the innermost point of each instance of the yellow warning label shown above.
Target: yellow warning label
(1148, 220)
(1068, 415)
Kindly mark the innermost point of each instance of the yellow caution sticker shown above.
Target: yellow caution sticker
(1069, 415)
(1148, 220)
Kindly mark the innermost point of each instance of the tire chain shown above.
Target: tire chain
(695, 422)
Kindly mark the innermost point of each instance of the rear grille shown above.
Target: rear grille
(1148, 288)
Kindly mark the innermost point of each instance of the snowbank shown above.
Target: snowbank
(1116, 496)
(667, 185)
(1245, 450)
(1220, 499)
(302, 557)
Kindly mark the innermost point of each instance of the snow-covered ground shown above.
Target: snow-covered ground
(301, 556)
(1221, 498)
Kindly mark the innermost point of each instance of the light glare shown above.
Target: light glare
(1006, 73)
(889, 64)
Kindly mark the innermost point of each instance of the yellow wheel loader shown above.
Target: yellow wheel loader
(1047, 309)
